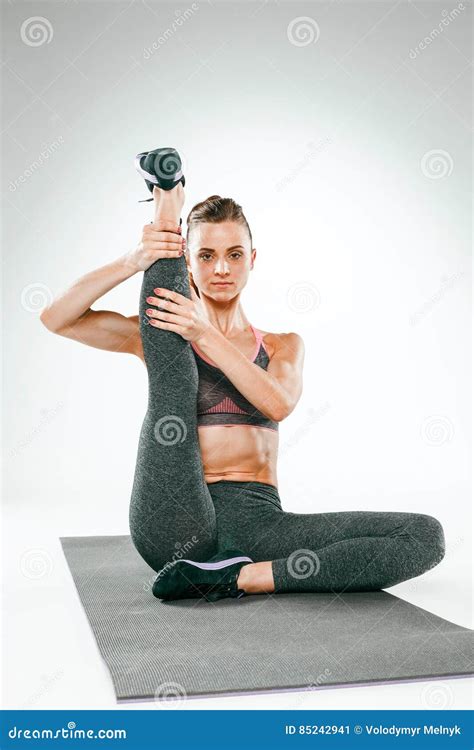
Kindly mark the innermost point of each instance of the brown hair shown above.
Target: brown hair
(214, 210)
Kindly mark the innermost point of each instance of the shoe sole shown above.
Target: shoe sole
(219, 565)
(166, 182)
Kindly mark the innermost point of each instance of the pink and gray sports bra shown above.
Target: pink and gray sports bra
(219, 402)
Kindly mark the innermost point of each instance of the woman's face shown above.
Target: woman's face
(220, 253)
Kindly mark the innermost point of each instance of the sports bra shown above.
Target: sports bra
(219, 402)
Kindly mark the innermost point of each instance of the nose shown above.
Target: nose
(222, 267)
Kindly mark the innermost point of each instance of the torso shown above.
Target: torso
(241, 453)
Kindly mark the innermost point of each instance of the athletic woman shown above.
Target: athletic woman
(205, 511)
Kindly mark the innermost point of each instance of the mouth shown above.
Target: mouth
(222, 283)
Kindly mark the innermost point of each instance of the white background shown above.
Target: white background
(362, 231)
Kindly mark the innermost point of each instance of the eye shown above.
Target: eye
(235, 255)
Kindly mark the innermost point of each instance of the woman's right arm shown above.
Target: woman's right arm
(70, 313)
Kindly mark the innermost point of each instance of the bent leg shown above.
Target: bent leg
(354, 550)
(171, 507)
(338, 551)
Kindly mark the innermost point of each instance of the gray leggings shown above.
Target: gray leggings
(174, 513)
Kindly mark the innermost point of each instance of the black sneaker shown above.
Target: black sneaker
(211, 580)
(161, 168)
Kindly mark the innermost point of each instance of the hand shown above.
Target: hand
(160, 240)
(184, 316)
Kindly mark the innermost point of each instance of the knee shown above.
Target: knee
(431, 533)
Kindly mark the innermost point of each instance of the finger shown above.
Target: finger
(183, 316)
(167, 317)
(166, 237)
(164, 224)
(172, 253)
(151, 234)
(180, 299)
(160, 236)
(176, 245)
(167, 254)
(161, 247)
(174, 237)
(153, 245)
(167, 326)
(165, 304)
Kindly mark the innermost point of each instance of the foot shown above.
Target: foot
(257, 578)
(161, 167)
(168, 203)
(211, 580)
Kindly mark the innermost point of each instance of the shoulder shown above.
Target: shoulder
(291, 343)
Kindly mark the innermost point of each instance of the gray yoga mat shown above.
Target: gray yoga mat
(190, 647)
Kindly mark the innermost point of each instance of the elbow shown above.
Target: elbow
(279, 405)
(44, 319)
(47, 321)
(283, 409)
(279, 416)
(281, 412)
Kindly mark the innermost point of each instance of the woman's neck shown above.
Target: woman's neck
(227, 317)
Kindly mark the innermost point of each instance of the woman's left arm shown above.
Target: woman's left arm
(275, 391)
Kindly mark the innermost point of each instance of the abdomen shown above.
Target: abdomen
(236, 452)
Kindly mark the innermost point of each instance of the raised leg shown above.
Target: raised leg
(171, 511)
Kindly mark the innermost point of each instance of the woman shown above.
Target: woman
(206, 474)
